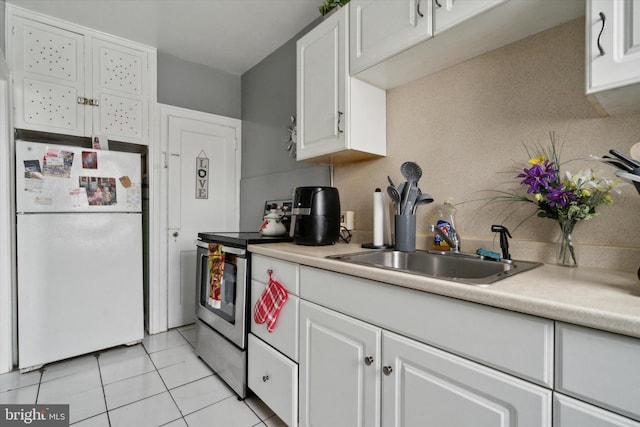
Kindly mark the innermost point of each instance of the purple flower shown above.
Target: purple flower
(561, 196)
(538, 175)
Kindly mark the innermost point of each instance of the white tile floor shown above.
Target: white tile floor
(160, 382)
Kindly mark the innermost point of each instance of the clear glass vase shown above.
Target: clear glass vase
(566, 255)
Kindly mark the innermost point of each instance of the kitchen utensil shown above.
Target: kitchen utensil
(411, 200)
(635, 151)
(412, 172)
(395, 198)
(629, 161)
(423, 199)
(401, 187)
(391, 181)
(613, 162)
(633, 178)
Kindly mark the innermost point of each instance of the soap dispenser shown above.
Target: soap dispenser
(446, 222)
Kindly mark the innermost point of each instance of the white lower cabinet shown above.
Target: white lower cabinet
(272, 356)
(274, 378)
(599, 367)
(377, 355)
(355, 374)
(426, 387)
(568, 412)
(339, 369)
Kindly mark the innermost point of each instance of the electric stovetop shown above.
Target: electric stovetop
(241, 239)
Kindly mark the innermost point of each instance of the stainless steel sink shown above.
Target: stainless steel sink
(464, 268)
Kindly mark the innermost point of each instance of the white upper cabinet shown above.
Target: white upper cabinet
(613, 55)
(449, 13)
(397, 45)
(339, 119)
(382, 28)
(70, 80)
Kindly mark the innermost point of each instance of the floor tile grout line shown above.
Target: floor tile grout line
(165, 384)
(104, 395)
(243, 400)
(39, 384)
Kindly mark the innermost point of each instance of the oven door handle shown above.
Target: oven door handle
(228, 249)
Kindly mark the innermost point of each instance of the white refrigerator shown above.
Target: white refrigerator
(79, 251)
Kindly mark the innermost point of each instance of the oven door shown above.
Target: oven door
(230, 318)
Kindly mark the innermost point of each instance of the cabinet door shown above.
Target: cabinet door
(381, 28)
(568, 412)
(426, 387)
(322, 55)
(339, 386)
(449, 13)
(49, 77)
(613, 45)
(120, 86)
(274, 379)
(599, 367)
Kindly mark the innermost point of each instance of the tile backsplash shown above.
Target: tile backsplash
(466, 126)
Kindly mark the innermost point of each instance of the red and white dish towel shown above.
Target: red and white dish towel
(270, 303)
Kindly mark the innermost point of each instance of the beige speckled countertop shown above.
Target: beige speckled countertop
(598, 298)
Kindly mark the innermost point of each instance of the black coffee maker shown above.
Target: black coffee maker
(315, 216)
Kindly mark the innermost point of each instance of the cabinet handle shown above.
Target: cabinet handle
(265, 378)
(387, 370)
(340, 113)
(82, 100)
(438, 5)
(94, 102)
(368, 360)
(418, 9)
(603, 19)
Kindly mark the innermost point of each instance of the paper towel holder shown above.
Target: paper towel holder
(380, 199)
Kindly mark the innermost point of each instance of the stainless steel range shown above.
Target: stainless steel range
(222, 321)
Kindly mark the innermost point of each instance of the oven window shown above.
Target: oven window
(227, 287)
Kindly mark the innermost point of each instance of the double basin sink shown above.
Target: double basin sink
(457, 267)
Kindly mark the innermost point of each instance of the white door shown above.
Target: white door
(49, 75)
(203, 160)
(618, 63)
(383, 28)
(339, 369)
(426, 387)
(121, 86)
(322, 60)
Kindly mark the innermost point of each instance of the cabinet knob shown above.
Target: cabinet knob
(265, 378)
(94, 102)
(368, 360)
(176, 234)
(387, 370)
(82, 100)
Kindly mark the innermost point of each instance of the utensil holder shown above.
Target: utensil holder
(405, 233)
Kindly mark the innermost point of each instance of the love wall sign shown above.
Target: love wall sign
(202, 176)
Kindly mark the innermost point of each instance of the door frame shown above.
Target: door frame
(158, 295)
(8, 295)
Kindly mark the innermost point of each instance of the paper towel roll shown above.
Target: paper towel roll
(378, 218)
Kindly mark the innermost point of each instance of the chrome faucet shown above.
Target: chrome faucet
(451, 237)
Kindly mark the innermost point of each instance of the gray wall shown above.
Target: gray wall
(268, 102)
(2, 28)
(197, 87)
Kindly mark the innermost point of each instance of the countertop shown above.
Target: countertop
(598, 298)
